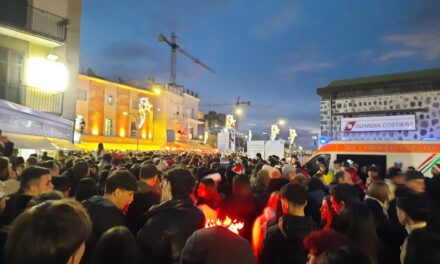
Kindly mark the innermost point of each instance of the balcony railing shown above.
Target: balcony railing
(36, 21)
(36, 99)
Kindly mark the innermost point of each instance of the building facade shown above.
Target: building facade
(403, 106)
(39, 61)
(111, 113)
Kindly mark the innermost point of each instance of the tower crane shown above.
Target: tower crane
(174, 49)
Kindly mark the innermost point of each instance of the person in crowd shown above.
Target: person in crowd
(34, 181)
(106, 160)
(412, 211)
(62, 185)
(5, 169)
(217, 245)
(100, 151)
(45, 157)
(415, 181)
(31, 161)
(117, 246)
(345, 177)
(373, 175)
(86, 189)
(393, 179)
(260, 186)
(53, 167)
(107, 211)
(356, 222)
(80, 169)
(316, 194)
(336, 166)
(377, 200)
(162, 238)
(345, 255)
(209, 199)
(283, 242)
(327, 175)
(51, 233)
(44, 197)
(241, 205)
(317, 243)
(149, 194)
(289, 171)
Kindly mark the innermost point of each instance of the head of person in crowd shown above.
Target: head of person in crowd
(337, 165)
(5, 168)
(356, 222)
(374, 172)
(435, 170)
(44, 197)
(106, 159)
(412, 207)
(293, 199)
(18, 166)
(355, 167)
(396, 176)
(315, 184)
(345, 165)
(53, 232)
(345, 255)
(297, 165)
(379, 190)
(299, 179)
(262, 181)
(323, 168)
(343, 177)
(31, 161)
(149, 174)
(340, 195)
(241, 186)
(319, 242)
(289, 171)
(179, 183)
(294, 158)
(52, 166)
(120, 187)
(35, 180)
(207, 189)
(415, 181)
(118, 246)
(86, 189)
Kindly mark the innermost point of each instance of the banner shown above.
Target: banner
(378, 123)
(254, 147)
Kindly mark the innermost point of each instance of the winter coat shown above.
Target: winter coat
(142, 202)
(15, 205)
(216, 245)
(166, 229)
(104, 215)
(284, 242)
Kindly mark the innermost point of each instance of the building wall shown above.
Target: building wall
(427, 123)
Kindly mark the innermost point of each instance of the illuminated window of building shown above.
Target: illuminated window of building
(108, 127)
(82, 95)
(11, 69)
(110, 100)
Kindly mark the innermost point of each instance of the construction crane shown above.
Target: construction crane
(238, 103)
(174, 48)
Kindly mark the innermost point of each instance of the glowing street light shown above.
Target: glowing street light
(157, 90)
(281, 122)
(239, 111)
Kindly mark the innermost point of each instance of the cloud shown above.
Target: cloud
(394, 54)
(306, 67)
(278, 22)
(424, 43)
(129, 51)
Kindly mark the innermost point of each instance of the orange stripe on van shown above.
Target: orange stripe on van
(381, 148)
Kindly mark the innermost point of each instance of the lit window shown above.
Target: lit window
(110, 100)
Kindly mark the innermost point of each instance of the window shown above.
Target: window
(11, 69)
(82, 95)
(133, 129)
(108, 127)
(110, 100)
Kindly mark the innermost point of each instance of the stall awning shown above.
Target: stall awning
(39, 143)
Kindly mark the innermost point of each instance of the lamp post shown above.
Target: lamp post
(137, 129)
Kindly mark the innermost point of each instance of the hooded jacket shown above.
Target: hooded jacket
(284, 242)
(166, 229)
(104, 215)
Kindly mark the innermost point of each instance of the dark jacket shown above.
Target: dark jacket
(422, 247)
(142, 202)
(104, 215)
(15, 205)
(284, 242)
(217, 245)
(166, 229)
(314, 203)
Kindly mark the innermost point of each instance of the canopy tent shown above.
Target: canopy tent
(39, 143)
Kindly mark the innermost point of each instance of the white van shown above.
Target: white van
(422, 155)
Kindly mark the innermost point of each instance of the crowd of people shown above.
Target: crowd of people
(182, 207)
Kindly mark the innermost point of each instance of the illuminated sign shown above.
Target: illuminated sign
(144, 108)
(378, 123)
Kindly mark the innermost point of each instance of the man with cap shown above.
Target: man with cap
(107, 211)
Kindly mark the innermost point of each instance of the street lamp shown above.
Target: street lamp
(238, 111)
(137, 129)
(281, 122)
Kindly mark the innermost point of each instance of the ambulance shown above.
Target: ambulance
(422, 155)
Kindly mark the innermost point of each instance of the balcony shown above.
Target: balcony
(31, 24)
(47, 102)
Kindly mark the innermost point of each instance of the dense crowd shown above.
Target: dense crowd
(169, 207)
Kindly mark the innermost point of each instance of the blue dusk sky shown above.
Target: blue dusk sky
(273, 53)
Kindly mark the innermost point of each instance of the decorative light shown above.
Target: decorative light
(122, 132)
(233, 225)
(46, 75)
(95, 131)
